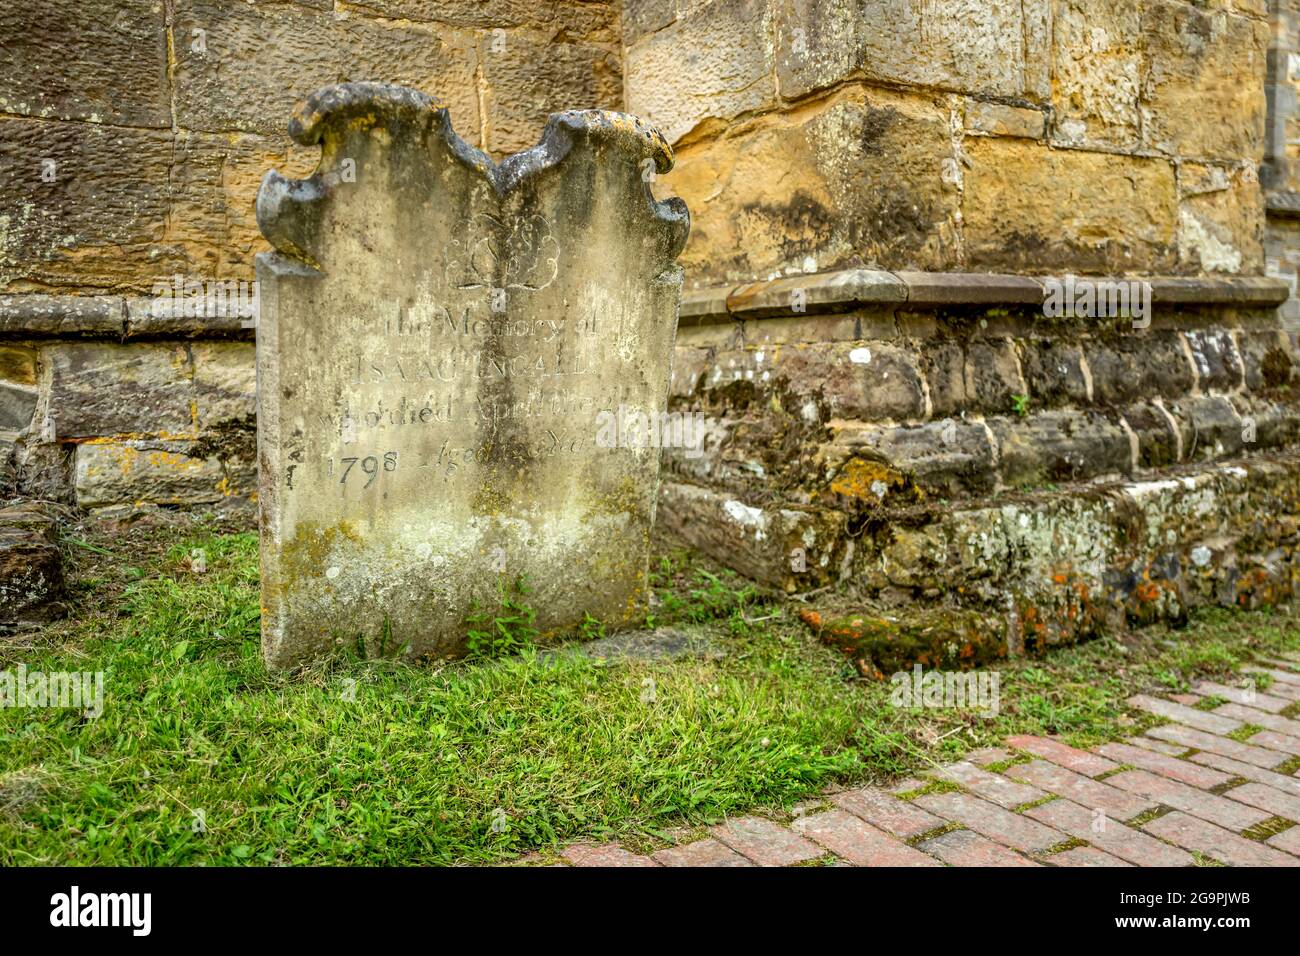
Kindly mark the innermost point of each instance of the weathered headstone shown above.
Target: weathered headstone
(439, 336)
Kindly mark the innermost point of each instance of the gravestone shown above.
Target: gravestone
(440, 340)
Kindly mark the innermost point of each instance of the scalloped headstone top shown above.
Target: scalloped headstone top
(441, 339)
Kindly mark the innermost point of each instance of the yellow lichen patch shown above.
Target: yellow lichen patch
(867, 480)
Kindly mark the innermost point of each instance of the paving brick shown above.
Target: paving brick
(1080, 761)
(1240, 695)
(1259, 756)
(1159, 746)
(1010, 829)
(1278, 674)
(1251, 715)
(610, 854)
(1282, 689)
(968, 848)
(1200, 719)
(899, 817)
(1249, 771)
(1085, 856)
(1091, 793)
(706, 852)
(852, 839)
(1173, 767)
(1109, 834)
(1225, 846)
(1271, 739)
(987, 755)
(1205, 805)
(910, 783)
(1266, 798)
(990, 786)
(764, 842)
(1188, 700)
(1288, 840)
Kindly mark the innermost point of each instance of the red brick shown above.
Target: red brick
(1200, 719)
(1159, 746)
(1266, 798)
(1085, 856)
(1288, 840)
(968, 848)
(990, 786)
(1081, 789)
(706, 852)
(1251, 715)
(1007, 828)
(1171, 793)
(1275, 741)
(1282, 689)
(850, 838)
(1172, 767)
(1200, 740)
(611, 854)
(1080, 761)
(899, 817)
(903, 786)
(765, 842)
(1225, 846)
(1250, 772)
(1279, 674)
(1113, 837)
(987, 755)
(1241, 695)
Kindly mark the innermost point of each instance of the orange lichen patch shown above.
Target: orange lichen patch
(867, 480)
(932, 637)
(1148, 591)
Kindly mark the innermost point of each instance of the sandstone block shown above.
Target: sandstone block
(247, 66)
(1060, 446)
(1201, 96)
(31, 566)
(131, 474)
(100, 61)
(101, 390)
(949, 44)
(860, 178)
(529, 75)
(1029, 208)
(95, 222)
(1097, 56)
(713, 64)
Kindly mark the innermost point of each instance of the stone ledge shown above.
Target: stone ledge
(59, 316)
(1284, 204)
(849, 288)
(125, 319)
(106, 317)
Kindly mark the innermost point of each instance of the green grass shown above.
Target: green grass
(373, 761)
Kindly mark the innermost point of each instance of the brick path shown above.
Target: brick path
(1212, 785)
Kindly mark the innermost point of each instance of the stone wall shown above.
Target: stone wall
(1097, 136)
(133, 137)
(919, 440)
(134, 133)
